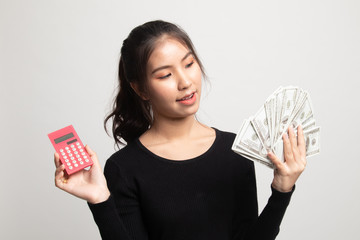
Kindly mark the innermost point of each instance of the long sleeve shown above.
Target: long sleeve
(266, 226)
(119, 217)
(110, 225)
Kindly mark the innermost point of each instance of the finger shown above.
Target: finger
(294, 144)
(292, 137)
(275, 160)
(60, 171)
(93, 156)
(90, 151)
(288, 153)
(57, 159)
(60, 176)
(301, 142)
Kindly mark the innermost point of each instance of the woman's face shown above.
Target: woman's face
(174, 80)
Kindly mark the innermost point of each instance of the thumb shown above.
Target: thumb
(275, 160)
(93, 156)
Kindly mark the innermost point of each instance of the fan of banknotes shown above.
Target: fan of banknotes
(261, 133)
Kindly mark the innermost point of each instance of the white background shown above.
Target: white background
(58, 66)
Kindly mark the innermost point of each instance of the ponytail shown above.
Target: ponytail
(131, 115)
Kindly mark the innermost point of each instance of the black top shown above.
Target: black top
(212, 196)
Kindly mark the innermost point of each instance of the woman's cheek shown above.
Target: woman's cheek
(196, 71)
(165, 88)
(197, 77)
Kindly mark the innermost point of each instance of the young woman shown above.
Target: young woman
(176, 178)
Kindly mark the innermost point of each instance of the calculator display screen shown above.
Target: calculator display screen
(63, 138)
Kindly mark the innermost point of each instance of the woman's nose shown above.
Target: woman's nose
(184, 81)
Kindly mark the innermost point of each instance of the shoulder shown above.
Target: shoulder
(129, 150)
(125, 158)
(225, 141)
(225, 137)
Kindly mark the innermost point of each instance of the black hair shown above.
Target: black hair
(131, 115)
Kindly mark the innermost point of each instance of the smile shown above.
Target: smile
(188, 99)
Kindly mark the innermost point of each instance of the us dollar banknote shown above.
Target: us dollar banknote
(287, 106)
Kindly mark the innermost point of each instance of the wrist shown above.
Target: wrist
(282, 189)
(101, 196)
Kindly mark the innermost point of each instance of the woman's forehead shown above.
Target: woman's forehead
(168, 50)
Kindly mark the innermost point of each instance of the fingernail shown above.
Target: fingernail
(285, 135)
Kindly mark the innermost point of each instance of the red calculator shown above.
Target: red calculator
(71, 150)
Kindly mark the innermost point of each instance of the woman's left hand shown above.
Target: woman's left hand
(286, 173)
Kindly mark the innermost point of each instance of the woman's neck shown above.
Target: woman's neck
(175, 129)
(178, 139)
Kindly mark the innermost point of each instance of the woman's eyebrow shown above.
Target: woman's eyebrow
(186, 55)
(167, 66)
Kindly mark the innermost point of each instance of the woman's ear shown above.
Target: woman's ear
(140, 93)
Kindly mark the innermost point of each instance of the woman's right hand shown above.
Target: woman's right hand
(89, 185)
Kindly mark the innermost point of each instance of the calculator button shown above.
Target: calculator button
(63, 153)
(67, 148)
(72, 158)
(82, 153)
(74, 161)
(76, 165)
(81, 162)
(66, 160)
(65, 157)
(61, 150)
(70, 167)
(77, 143)
(69, 164)
(78, 156)
(75, 152)
(85, 157)
(86, 160)
(74, 149)
(79, 147)
(68, 151)
(81, 150)
(72, 146)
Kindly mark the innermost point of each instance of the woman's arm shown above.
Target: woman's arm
(266, 226)
(92, 186)
(120, 216)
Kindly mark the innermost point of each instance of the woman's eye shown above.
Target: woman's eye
(189, 65)
(166, 76)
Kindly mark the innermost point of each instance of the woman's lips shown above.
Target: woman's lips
(186, 97)
(188, 100)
